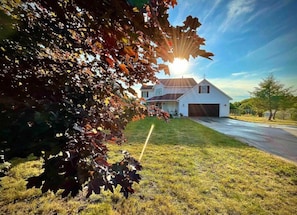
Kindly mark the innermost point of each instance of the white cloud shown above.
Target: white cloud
(282, 46)
(237, 89)
(237, 10)
(212, 9)
(239, 73)
(271, 8)
(240, 84)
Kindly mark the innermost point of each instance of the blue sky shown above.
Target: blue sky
(249, 38)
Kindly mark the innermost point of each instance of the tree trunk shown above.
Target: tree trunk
(274, 115)
(270, 115)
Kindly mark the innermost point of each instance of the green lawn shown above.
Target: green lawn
(188, 169)
(251, 118)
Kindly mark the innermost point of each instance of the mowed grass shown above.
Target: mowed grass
(251, 118)
(187, 169)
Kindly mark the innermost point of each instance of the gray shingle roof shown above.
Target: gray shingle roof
(178, 82)
(167, 97)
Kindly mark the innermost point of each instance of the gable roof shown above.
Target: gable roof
(206, 81)
(178, 82)
(166, 97)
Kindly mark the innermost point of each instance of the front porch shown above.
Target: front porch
(170, 107)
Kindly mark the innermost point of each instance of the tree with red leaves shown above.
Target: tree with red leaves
(67, 72)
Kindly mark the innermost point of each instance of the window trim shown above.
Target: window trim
(204, 89)
(145, 94)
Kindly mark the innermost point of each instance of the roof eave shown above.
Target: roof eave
(162, 100)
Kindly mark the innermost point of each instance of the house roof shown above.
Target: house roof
(178, 82)
(146, 87)
(167, 97)
(172, 82)
(206, 81)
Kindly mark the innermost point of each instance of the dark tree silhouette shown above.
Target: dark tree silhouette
(67, 71)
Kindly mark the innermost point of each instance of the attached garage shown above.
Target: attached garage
(210, 110)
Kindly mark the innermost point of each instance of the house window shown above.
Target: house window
(145, 94)
(204, 89)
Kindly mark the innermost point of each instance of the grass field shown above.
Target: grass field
(188, 169)
(250, 118)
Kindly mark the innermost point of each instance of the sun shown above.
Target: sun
(178, 67)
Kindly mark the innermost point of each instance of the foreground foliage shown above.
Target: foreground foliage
(185, 173)
(67, 71)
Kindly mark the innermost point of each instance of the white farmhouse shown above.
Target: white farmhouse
(186, 97)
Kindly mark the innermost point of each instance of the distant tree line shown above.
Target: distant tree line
(269, 98)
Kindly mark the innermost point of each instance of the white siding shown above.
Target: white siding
(213, 97)
(170, 107)
(146, 93)
(158, 90)
(192, 96)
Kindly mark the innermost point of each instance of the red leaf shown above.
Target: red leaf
(165, 68)
(124, 68)
(110, 61)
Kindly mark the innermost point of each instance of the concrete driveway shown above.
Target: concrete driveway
(278, 140)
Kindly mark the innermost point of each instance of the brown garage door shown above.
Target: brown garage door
(211, 110)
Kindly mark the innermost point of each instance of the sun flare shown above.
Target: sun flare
(178, 67)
